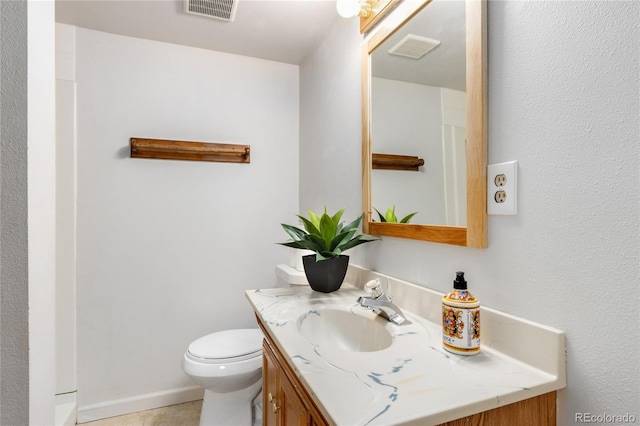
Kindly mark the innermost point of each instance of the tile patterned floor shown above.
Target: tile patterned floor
(187, 414)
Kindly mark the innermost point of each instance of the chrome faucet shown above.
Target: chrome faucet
(381, 303)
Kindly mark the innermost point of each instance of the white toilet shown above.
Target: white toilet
(228, 364)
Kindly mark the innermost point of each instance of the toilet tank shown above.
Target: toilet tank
(288, 276)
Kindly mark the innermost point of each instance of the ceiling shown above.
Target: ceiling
(445, 65)
(278, 30)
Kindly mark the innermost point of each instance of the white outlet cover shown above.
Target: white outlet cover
(510, 205)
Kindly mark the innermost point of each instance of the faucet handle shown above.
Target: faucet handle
(374, 288)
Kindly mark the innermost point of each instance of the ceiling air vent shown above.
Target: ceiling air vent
(414, 46)
(218, 9)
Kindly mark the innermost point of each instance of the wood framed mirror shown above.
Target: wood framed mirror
(467, 227)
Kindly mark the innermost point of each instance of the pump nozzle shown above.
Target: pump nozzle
(459, 283)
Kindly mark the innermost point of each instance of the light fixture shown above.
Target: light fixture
(351, 8)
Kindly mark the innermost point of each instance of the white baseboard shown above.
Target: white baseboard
(89, 413)
(65, 409)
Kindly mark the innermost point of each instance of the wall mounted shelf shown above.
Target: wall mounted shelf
(193, 151)
(396, 162)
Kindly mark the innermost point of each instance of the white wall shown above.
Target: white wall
(41, 215)
(563, 101)
(330, 98)
(167, 248)
(14, 256)
(27, 213)
(66, 202)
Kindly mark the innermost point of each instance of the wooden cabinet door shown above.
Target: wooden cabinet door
(292, 410)
(270, 386)
(281, 404)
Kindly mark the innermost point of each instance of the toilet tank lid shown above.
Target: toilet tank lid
(227, 344)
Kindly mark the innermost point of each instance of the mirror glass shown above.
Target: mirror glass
(418, 109)
(424, 115)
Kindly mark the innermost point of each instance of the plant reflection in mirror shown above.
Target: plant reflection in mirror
(390, 216)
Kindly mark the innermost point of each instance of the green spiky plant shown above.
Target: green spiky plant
(326, 235)
(390, 216)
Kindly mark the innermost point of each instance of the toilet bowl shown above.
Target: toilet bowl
(228, 365)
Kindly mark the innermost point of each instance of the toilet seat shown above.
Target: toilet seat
(227, 346)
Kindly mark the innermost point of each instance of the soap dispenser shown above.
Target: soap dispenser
(460, 319)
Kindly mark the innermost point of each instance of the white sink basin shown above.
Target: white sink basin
(346, 330)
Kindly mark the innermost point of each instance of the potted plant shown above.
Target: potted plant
(328, 238)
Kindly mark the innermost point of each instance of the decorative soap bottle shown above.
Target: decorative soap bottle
(460, 319)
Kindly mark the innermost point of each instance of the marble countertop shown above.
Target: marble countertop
(414, 380)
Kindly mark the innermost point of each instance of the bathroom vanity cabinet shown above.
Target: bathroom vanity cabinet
(329, 362)
(284, 400)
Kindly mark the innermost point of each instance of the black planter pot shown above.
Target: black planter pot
(326, 275)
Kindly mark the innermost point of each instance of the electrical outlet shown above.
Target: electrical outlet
(502, 184)
(500, 196)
